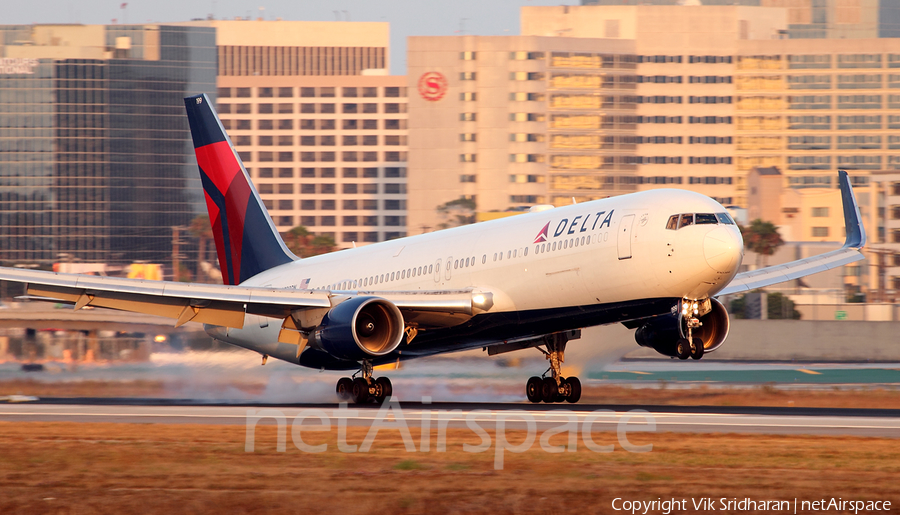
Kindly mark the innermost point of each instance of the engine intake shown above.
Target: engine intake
(662, 333)
(361, 328)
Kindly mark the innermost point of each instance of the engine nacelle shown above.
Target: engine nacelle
(663, 332)
(361, 328)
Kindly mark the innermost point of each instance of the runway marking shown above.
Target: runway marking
(807, 371)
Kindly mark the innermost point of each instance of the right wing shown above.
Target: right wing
(848, 253)
(226, 305)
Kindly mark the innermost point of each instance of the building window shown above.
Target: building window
(820, 232)
(471, 117)
(370, 92)
(327, 221)
(243, 93)
(308, 205)
(467, 56)
(285, 204)
(467, 158)
(285, 141)
(468, 96)
(393, 92)
(285, 173)
(264, 125)
(350, 221)
(285, 125)
(467, 76)
(242, 108)
(819, 212)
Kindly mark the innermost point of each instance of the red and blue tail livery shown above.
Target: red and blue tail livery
(247, 242)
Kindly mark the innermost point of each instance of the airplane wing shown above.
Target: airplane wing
(848, 253)
(226, 305)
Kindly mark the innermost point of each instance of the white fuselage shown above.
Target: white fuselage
(603, 251)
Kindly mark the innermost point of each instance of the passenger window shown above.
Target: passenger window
(686, 220)
(724, 218)
(525, 252)
(484, 259)
(495, 256)
(706, 218)
(672, 224)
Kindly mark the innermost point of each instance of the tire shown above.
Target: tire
(574, 390)
(697, 349)
(344, 388)
(533, 389)
(549, 390)
(386, 389)
(360, 391)
(682, 349)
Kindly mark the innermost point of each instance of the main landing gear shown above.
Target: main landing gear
(555, 387)
(690, 347)
(365, 388)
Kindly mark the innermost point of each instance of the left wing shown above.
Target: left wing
(848, 253)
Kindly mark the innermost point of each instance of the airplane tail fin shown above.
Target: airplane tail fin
(247, 242)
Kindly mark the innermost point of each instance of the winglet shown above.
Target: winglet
(856, 233)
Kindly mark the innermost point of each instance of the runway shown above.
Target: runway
(778, 421)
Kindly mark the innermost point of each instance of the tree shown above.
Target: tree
(457, 212)
(304, 244)
(201, 229)
(761, 237)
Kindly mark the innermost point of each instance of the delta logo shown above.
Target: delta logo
(581, 223)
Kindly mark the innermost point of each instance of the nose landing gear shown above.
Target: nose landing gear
(365, 388)
(691, 347)
(555, 387)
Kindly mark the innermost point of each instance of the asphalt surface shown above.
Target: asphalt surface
(701, 419)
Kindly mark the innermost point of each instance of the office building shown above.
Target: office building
(95, 151)
(319, 124)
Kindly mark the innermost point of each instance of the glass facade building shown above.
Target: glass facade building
(96, 161)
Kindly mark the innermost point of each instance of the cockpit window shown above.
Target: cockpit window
(706, 218)
(672, 224)
(724, 218)
(683, 220)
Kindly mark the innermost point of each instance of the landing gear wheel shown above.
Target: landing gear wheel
(574, 388)
(549, 390)
(344, 388)
(533, 389)
(683, 349)
(697, 349)
(360, 391)
(384, 388)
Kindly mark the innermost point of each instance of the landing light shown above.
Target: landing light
(159, 338)
(478, 299)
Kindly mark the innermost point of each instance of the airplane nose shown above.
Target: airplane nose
(723, 249)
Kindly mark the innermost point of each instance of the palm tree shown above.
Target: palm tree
(762, 237)
(304, 244)
(201, 229)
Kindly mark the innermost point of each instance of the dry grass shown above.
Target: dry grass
(74, 468)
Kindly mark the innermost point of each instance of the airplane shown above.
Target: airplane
(654, 261)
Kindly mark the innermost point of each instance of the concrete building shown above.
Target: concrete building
(318, 123)
(589, 102)
(95, 151)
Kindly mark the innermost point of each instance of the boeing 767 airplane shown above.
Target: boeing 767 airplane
(654, 261)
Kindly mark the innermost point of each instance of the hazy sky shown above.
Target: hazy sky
(407, 17)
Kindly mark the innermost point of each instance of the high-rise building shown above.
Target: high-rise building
(95, 154)
(318, 123)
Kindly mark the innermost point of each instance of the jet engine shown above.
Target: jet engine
(663, 332)
(361, 328)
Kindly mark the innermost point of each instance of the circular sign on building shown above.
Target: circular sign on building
(432, 86)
